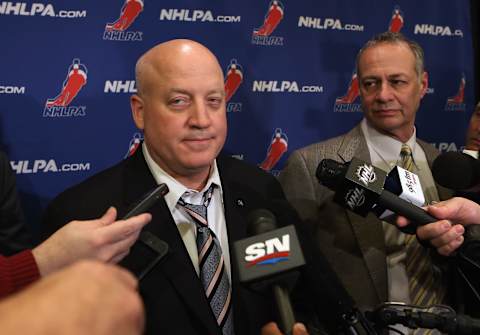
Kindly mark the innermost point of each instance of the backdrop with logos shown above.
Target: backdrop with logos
(67, 73)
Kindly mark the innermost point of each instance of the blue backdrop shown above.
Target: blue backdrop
(67, 71)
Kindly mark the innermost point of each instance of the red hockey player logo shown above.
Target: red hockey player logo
(233, 79)
(459, 97)
(396, 22)
(130, 10)
(272, 19)
(352, 91)
(277, 148)
(134, 144)
(76, 79)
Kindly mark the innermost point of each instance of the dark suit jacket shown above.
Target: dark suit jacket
(14, 236)
(173, 295)
(354, 245)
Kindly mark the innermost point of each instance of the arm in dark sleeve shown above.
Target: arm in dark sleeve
(14, 235)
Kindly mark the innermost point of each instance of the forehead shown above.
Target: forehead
(193, 77)
(387, 59)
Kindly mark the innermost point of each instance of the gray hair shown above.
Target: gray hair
(396, 38)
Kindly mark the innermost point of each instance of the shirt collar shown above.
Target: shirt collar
(472, 153)
(387, 147)
(177, 189)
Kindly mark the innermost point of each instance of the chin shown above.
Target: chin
(199, 163)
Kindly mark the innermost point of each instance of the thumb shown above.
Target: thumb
(109, 216)
(441, 210)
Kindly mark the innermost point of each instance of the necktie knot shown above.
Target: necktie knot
(406, 156)
(405, 150)
(199, 212)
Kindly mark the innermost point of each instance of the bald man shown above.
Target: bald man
(180, 106)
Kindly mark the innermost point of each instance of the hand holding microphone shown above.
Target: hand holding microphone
(446, 234)
(360, 187)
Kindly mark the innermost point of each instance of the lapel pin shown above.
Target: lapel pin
(240, 203)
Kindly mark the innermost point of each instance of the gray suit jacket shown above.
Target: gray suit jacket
(353, 245)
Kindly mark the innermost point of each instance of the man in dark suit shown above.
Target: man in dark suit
(180, 106)
(370, 256)
(14, 235)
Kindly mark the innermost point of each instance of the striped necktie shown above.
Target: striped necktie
(211, 264)
(425, 283)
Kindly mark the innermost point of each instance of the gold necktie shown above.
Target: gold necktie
(425, 283)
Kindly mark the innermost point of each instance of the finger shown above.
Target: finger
(111, 252)
(109, 216)
(117, 258)
(123, 229)
(448, 249)
(402, 221)
(433, 230)
(270, 328)
(449, 236)
(299, 329)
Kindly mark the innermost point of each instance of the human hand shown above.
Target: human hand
(87, 297)
(446, 234)
(103, 239)
(271, 328)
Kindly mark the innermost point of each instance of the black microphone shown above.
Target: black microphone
(268, 259)
(456, 170)
(324, 291)
(441, 317)
(360, 186)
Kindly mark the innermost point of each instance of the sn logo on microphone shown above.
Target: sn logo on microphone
(271, 251)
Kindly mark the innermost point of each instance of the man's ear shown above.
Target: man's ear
(424, 84)
(137, 106)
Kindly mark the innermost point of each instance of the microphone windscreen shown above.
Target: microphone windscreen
(455, 170)
(260, 221)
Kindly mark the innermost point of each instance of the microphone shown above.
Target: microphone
(440, 317)
(327, 296)
(406, 185)
(360, 186)
(456, 170)
(268, 259)
(149, 249)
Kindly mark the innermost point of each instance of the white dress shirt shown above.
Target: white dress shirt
(185, 224)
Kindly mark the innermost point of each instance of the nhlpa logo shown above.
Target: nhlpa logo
(117, 31)
(134, 144)
(60, 105)
(456, 102)
(396, 22)
(233, 80)
(278, 146)
(271, 251)
(346, 103)
(262, 35)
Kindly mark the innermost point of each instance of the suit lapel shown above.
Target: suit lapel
(177, 265)
(235, 204)
(368, 231)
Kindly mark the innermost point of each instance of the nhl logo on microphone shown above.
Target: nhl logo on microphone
(366, 174)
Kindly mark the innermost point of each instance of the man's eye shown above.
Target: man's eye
(369, 84)
(215, 101)
(398, 82)
(178, 102)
